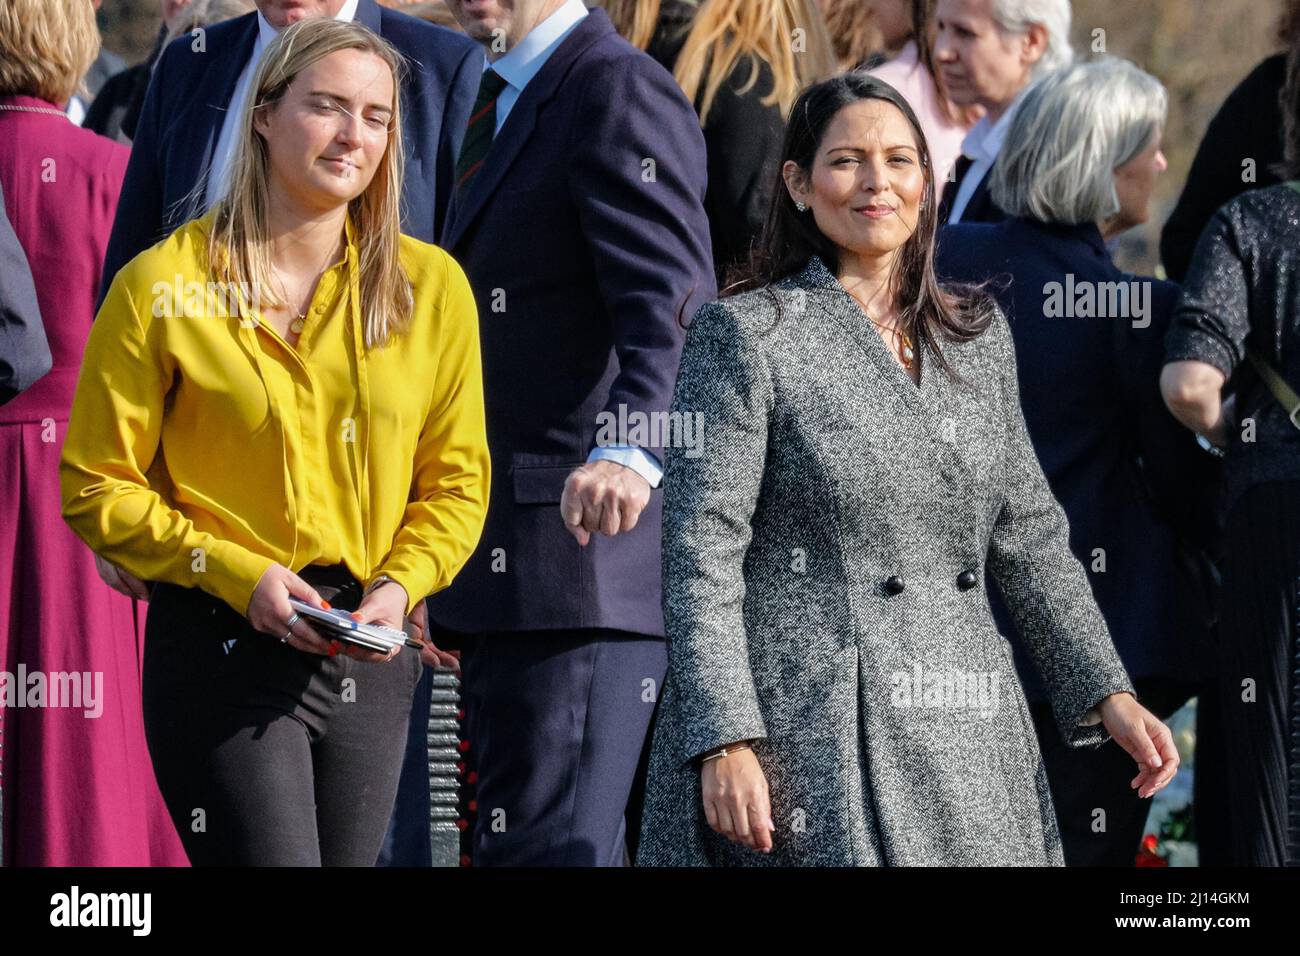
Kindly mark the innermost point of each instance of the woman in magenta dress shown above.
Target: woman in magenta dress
(77, 782)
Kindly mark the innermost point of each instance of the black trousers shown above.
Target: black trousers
(1256, 658)
(267, 755)
(1210, 814)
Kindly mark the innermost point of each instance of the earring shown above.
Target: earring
(802, 207)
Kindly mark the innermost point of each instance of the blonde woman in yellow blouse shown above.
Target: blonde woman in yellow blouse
(284, 398)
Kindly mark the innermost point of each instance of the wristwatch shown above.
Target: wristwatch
(381, 580)
(1209, 446)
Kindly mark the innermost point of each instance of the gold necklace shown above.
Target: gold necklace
(298, 324)
(908, 350)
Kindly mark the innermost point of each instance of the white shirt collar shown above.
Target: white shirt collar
(985, 139)
(530, 54)
(266, 33)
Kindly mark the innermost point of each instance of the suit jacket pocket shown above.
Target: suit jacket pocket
(539, 479)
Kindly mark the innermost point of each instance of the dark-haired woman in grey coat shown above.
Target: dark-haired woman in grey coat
(838, 692)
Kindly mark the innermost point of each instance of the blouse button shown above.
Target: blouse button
(894, 584)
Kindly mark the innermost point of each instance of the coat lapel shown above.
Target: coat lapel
(836, 301)
(521, 122)
(924, 402)
(202, 126)
(368, 15)
(220, 80)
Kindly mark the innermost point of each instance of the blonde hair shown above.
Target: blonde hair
(725, 31)
(635, 20)
(46, 47)
(852, 27)
(239, 244)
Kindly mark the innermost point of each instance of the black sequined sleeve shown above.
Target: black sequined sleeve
(1213, 317)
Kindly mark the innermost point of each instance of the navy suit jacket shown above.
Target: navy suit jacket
(1089, 388)
(585, 239)
(190, 91)
(981, 207)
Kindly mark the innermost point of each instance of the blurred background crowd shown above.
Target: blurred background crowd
(1200, 49)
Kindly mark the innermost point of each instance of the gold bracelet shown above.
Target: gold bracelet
(725, 751)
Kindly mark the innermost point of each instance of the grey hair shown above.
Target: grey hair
(1016, 16)
(1072, 130)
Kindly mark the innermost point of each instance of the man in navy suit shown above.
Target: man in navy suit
(989, 52)
(579, 219)
(183, 148)
(186, 135)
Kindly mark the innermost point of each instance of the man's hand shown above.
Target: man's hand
(121, 581)
(602, 496)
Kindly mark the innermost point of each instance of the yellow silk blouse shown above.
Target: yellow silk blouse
(202, 447)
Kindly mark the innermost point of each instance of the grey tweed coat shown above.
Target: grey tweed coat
(824, 550)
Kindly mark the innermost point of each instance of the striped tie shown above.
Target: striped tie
(482, 127)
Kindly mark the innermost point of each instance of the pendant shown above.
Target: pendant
(908, 355)
(296, 326)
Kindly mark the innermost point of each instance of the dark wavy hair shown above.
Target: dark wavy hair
(789, 239)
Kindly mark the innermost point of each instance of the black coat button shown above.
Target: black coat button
(894, 584)
(967, 580)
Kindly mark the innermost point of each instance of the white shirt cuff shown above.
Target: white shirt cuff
(639, 460)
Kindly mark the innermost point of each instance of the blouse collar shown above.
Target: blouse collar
(350, 253)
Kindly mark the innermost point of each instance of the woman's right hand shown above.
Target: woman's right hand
(269, 610)
(736, 799)
(121, 581)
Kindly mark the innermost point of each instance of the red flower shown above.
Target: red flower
(1147, 856)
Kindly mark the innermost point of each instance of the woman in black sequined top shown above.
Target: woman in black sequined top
(1244, 288)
